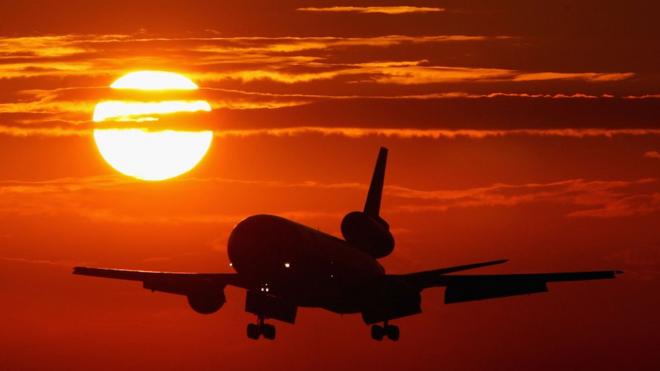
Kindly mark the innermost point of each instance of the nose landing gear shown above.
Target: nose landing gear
(255, 330)
(379, 332)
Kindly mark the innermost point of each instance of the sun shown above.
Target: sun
(138, 151)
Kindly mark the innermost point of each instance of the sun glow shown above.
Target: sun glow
(150, 154)
(154, 80)
(145, 111)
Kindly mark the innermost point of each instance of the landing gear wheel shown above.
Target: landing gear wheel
(253, 331)
(392, 332)
(377, 332)
(268, 331)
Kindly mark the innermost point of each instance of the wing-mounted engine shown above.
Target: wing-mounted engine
(205, 291)
(206, 303)
(366, 230)
(203, 294)
(368, 234)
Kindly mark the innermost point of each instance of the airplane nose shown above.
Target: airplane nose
(259, 246)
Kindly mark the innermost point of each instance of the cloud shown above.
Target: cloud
(84, 198)
(627, 205)
(52, 112)
(427, 96)
(402, 73)
(58, 263)
(21, 131)
(321, 68)
(596, 198)
(643, 96)
(108, 55)
(416, 72)
(652, 154)
(62, 185)
(586, 76)
(67, 112)
(402, 133)
(354, 132)
(39, 46)
(419, 72)
(76, 197)
(402, 9)
(83, 99)
(256, 45)
(48, 107)
(288, 60)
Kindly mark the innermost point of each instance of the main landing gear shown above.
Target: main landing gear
(254, 330)
(379, 332)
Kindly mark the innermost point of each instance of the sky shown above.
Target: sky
(520, 130)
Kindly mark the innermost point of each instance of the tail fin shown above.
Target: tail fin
(372, 205)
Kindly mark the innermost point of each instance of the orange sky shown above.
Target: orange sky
(516, 130)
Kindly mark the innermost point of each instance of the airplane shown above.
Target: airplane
(285, 265)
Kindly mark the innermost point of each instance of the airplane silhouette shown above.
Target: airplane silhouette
(284, 265)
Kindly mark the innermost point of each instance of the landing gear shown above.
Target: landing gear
(392, 332)
(379, 332)
(254, 330)
(268, 331)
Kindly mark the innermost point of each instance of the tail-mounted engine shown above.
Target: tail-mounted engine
(368, 234)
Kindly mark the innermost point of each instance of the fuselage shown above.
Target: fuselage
(302, 265)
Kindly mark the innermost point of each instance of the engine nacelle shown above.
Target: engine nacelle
(368, 234)
(206, 303)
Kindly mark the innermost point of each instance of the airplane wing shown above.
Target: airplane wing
(170, 282)
(461, 288)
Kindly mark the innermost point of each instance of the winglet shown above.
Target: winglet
(372, 205)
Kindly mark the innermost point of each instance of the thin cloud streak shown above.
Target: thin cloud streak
(586, 76)
(58, 131)
(626, 206)
(652, 154)
(71, 196)
(254, 46)
(596, 198)
(587, 198)
(404, 73)
(437, 133)
(356, 132)
(390, 10)
(428, 96)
